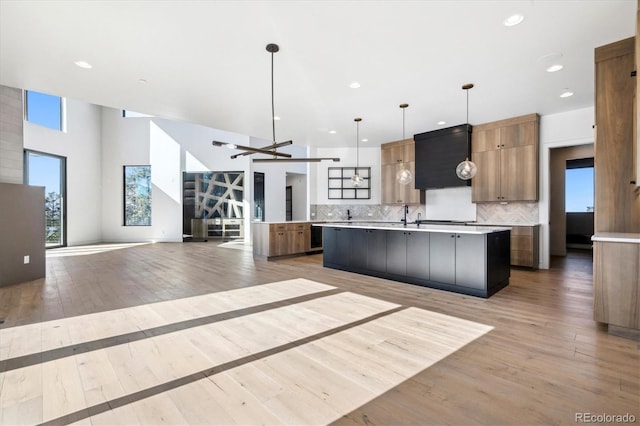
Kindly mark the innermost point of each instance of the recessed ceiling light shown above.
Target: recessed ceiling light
(514, 19)
(276, 118)
(83, 64)
(441, 123)
(354, 85)
(365, 140)
(333, 132)
(554, 68)
(566, 93)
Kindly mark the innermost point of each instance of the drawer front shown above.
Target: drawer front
(278, 227)
(297, 226)
(522, 230)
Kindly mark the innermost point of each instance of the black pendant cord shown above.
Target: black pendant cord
(403, 107)
(357, 145)
(273, 108)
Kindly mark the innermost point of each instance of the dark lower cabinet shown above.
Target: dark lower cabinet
(474, 264)
(442, 257)
(337, 246)
(408, 254)
(470, 261)
(418, 259)
(369, 249)
(396, 252)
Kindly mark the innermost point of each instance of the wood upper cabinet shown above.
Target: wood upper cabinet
(394, 157)
(397, 152)
(506, 153)
(617, 201)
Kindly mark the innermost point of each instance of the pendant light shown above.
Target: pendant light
(356, 180)
(467, 169)
(272, 149)
(404, 176)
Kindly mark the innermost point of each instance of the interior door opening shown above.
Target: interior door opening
(579, 202)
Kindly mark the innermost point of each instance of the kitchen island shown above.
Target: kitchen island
(471, 260)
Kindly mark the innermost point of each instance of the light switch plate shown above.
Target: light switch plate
(26, 260)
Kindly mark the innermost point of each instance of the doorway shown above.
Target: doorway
(288, 203)
(579, 196)
(50, 171)
(561, 196)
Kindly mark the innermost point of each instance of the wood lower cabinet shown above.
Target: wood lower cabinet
(506, 153)
(281, 239)
(395, 157)
(525, 246)
(616, 286)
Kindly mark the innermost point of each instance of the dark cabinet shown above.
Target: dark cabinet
(442, 257)
(369, 249)
(458, 259)
(408, 254)
(396, 252)
(337, 246)
(418, 248)
(470, 261)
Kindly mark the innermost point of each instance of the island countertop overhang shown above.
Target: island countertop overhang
(393, 226)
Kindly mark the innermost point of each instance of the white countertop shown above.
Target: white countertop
(617, 237)
(392, 226)
(503, 224)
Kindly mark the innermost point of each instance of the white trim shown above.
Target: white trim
(545, 193)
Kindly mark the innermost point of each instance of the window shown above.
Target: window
(137, 195)
(578, 189)
(45, 110)
(131, 114)
(49, 170)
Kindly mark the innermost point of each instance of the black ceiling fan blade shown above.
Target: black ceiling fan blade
(272, 146)
(251, 149)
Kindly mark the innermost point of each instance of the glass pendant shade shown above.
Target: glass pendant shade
(356, 180)
(466, 169)
(404, 176)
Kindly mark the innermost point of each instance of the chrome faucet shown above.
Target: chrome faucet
(404, 215)
(419, 219)
(349, 217)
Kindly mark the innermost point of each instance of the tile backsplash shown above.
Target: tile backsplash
(375, 212)
(497, 213)
(493, 213)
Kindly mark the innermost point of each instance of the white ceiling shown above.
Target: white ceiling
(205, 61)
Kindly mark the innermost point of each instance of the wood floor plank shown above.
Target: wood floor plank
(544, 360)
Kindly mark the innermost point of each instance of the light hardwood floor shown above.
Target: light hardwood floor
(111, 339)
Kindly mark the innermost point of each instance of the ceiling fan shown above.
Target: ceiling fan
(272, 149)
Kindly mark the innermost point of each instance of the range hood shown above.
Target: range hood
(438, 153)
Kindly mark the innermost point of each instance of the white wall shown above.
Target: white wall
(558, 130)
(369, 157)
(298, 184)
(80, 144)
(450, 204)
(170, 148)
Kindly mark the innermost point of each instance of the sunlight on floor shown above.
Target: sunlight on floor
(90, 249)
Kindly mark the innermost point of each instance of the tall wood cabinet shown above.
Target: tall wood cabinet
(506, 153)
(394, 157)
(617, 202)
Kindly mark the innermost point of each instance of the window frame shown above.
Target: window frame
(124, 195)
